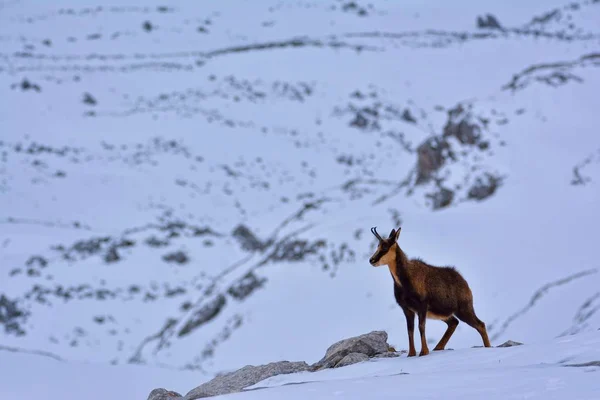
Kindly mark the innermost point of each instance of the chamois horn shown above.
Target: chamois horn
(374, 232)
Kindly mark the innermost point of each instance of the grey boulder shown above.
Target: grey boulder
(163, 394)
(369, 344)
(352, 358)
(249, 375)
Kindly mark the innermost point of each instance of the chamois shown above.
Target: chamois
(427, 291)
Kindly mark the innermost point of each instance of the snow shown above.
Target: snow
(547, 369)
(181, 132)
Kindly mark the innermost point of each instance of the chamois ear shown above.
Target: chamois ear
(392, 234)
(396, 234)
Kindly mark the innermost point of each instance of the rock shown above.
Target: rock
(163, 394)
(442, 198)
(10, 314)
(408, 117)
(153, 241)
(461, 126)
(178, 257)
(247, 239)
(391, 354)
(352, 358)
(207, 312)
(244, 286)
(89, 99)
(510, 343)
(37, 260)
(369, 344)
(295, 250)
(249, 375)
(431, 155)
(489, 21)
(484, 187)
(112, 255)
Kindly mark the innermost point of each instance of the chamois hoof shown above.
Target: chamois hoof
(423, 353)
(413, 354)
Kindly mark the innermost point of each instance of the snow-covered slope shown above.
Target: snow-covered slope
(562, 368)
(192, 186)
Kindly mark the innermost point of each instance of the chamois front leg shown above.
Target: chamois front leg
(422, 318)
(410, 327)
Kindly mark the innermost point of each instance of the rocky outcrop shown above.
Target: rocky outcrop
(163, 394)
(488, 21)
(431, 155)
(249, 375)
(370, 345)
(484, 187)
(510, 343)
(340, 354)
(352, 358)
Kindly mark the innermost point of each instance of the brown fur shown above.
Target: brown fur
(427, 291)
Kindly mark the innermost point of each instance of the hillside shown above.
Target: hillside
(564, 368)
(192, 186)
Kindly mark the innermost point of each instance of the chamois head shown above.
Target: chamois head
(385, 252)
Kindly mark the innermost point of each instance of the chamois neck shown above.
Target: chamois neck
(401, 258)
(397, 264)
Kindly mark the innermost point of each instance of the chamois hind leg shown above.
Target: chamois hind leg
(467, 315)
(422, 314)
(452, 323)
(410, 327)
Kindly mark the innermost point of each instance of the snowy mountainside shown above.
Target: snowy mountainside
(192, 187)
(558, 368)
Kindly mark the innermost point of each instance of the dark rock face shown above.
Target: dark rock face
(408, 117)
(112, 255)
(204, 314)
(442, 198)
(484, 187)
(9, 315)
(249, 375)
(295, 250)
(178, 257)
(37, 261)
(488, 21)
(431, 155)
(247, 239)
(461, 126)
(245, 286)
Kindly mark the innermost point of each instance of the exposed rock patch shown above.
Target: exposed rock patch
(10, 315)
(205, 314)
(249, 375)
(510, 343)
(484, 187)
(178, 257)
(352, 358)
(163, 394)
(488, 21)
(442, 198)
(369, 344)
(431, 155)
(340, 354)
(247, 238)
(461, 126)
(243, 287)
